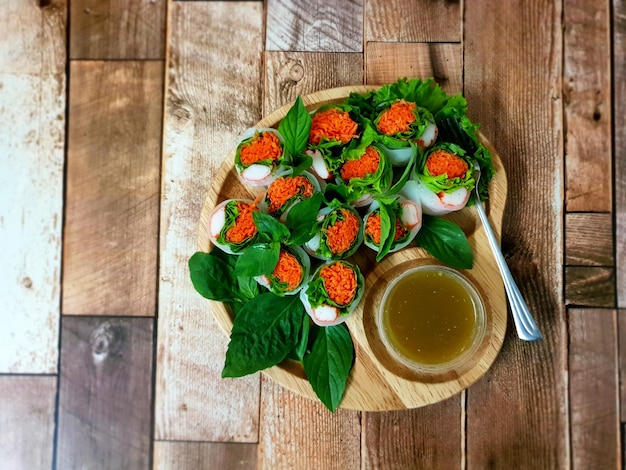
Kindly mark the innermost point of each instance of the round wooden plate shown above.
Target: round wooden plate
(377, 382)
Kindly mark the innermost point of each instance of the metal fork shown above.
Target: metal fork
(524, 323)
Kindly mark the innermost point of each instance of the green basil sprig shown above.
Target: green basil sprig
(445, 241)
(295, 128)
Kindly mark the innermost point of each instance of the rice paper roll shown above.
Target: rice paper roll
(333, 292)
(338, 233)
(259, 156)
(231, 226)
(366, 172)
(286, 191)
(290, 274)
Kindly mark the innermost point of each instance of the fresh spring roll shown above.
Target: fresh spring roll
(290, 273)
(339, 233)
(332, 128)
(259, 156)
(231, 226)
(404, 221)
(333, 292)
(286, 191)
(403, 124)
(444, 181)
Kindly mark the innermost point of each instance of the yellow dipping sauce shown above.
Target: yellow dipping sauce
(429, 316)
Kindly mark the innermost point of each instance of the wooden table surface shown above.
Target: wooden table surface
(115, 116)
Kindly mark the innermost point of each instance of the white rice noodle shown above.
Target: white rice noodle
(217, 219)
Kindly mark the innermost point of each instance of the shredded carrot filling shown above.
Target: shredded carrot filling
(340, 283)
(333, 124)
(288, 270)
(441, 161)
(397, 118)
(372, 228)
(243, 227)
(284, 188)
(341, 235)
(367, 164)
(264, 146)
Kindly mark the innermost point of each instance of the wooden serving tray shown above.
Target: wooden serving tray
(377, 382)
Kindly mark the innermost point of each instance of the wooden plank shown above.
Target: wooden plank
(314, 26)
(412, 21)
(27, 421)
(517, 413)
(112, 201)
(300, 433)
(204, 455)
(619, 129)
(117, 29)
(208, 107)
(105, 393)
(589, 239)
(32, 111)
(386, 62)
(593, 384)
(590, 286)
(587, 105)
(621, 342)
(428, 437)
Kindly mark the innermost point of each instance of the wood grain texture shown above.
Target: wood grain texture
(113, 157)
(314, 26)
(523, 395)
(590, 286)
(386, 62)
(619, 130)
(117, 29)
(621, 347)
(587, 105)
(204, 456)
(413, 20)
(205, 114)
(589, 239)
(105, 393)
(296, 432)
(429, 437)
(27, 421)
(594, 391)
(32, 110)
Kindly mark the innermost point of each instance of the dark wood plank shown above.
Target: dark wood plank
(516, 417)
(388, 61)
(413, 20)
(208, 106)
(619, 129)
(314, 26)
(204, 456)
(590, 286)
(113, 171)
(27, 421)
(32, 112)
(621, 343)
(589, 239)
(587, 105)
(594, 392)
(105, 393)
(114, 29)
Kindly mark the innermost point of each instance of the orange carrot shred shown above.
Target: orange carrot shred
(441, 161)
(284, 188)
(367, 164)
(288, 270)
(333, 124)
(263, 146)
(341, 235)
(397, 118)
(244, 227)
(340, 283)
(373, 228)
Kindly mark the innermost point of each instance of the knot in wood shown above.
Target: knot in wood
(296, 72)
(106, 340)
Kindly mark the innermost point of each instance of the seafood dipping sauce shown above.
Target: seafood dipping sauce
(431, 318)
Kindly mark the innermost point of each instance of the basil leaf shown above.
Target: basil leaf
(338, 192)
(302, 163)
(268, 225)
(297, 353)
(212, 277)
(387, 231)
(301, 219)
(248, 288)
(263, 333)
(258, 260)
(328, 364)
(446, 242)
(295, 127)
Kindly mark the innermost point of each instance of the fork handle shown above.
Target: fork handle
(525, 325)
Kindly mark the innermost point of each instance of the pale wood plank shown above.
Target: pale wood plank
(589, 239)
(110, 244)
(587, 106)
(314, 26)
(204, 456)
(621, 343)
(593, 384)
(27, 421)
(413, 20)
(208, 107)
(619, 129)
(386, 62)
(590, 286)
(105, 393)
(32, 105)
(517, 414)
(117, 29)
